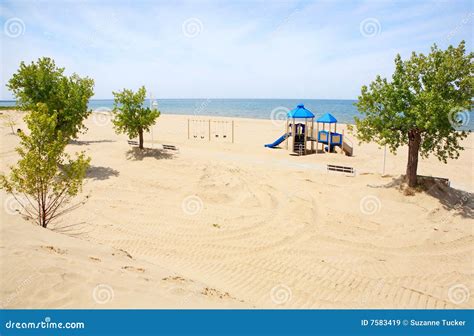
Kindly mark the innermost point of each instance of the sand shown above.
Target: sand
(236, 225)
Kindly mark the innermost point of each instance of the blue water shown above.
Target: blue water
(343, 110)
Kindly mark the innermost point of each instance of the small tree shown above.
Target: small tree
(418, 107)
(45, 178)
(9, 120)
(66, 97)
(130, 115)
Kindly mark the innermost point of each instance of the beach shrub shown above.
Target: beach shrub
(66, 97)
(9, 120)
(45, 178)
(419, 107)
(131, 116)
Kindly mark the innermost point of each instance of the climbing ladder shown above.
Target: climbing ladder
(300, 149)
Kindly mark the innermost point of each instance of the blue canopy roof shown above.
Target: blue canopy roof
(300, 112)
(328, 118)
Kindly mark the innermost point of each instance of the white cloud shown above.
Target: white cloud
(245, 49)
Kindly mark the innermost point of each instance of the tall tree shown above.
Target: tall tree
(418, 107)
(45, 178)
(130, 115)
(66, 97)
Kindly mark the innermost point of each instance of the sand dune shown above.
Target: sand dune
(217, 224)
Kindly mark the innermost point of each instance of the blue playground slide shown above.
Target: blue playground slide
(277, 141)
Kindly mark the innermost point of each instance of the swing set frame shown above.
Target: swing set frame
(193, 123)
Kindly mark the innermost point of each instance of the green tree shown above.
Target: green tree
(130, 115)
(66, 97)
(418, 107)
(45, 178)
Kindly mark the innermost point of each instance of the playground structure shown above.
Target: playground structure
(297, 130)
(300, 136)
(211, 130)
(330, 140)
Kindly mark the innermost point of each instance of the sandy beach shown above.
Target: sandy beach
(216, 224)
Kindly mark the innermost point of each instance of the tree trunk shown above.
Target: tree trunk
(43, 218)
(140, 139)
(414, 141)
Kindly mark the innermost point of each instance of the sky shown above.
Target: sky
(228, 49)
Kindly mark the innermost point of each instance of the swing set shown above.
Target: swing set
(211, 130)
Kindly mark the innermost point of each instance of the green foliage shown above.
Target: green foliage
(418, 106)
(45, 178)
(130, 116)
(425, 94)
(66, 97)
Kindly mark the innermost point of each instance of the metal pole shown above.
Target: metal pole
(152, 127)
(384, 158)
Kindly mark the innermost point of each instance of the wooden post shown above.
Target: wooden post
(304, 134)
(317, 136)
(286, 131)
(322, 144)
(312, 135)
(342, 142)
(330, 139)
(293, 134)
